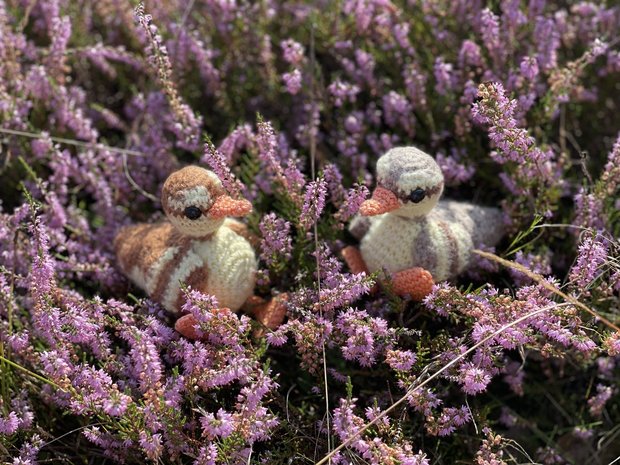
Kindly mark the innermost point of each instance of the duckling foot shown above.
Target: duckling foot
(353, 258)
(416, 282)
(269, 313)
(188, 326)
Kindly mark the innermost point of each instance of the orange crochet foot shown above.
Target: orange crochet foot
(271, 314)
(416, 282)
(353, 258)
(187, 324)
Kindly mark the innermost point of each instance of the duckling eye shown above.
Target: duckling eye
(193, 213)
(417, 195)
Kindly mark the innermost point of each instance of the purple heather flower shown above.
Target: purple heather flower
(343, 92)
(293, 51)
(221, 427)
(529, 68)
(354, 198)
(398, 111)
(592, 255)
(9, 424)
(470, 54)
(443, 73)
(218, 163)
(454, 171)
(314, 202)
(151, 445)
(489, 25)
(292, 81)
(589, 210)
(345, 289)
(597, 402)
(512, 142)
(400, 360)
(415, 83)
(547, 39)
(276, 241)
(207, 455)
(473, 379)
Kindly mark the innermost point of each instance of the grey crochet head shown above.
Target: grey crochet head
(413, 179)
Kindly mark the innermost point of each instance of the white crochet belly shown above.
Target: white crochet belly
(232, 266)
(389, 243)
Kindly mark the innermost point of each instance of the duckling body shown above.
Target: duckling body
(439, 242)
(406, 230)
(197, 246)
(159, 259)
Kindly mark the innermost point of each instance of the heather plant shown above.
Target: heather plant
(291, 104)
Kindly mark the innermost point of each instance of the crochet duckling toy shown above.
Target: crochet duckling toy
(407, 231)
(198, 246)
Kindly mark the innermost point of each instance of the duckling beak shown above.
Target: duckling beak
(382, 201)
(227, 206)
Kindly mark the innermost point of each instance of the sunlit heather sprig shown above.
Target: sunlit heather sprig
(491, 451)
(492, 311)
(591, 257)
(513, 143)
(363, 337)
(276, 243)
(612, 344)
(314, 203)
(287, 175)
(354, 198)
(610, 178)
(188, 123)
(214, 159)
(448, 420)
(60, 35)
(309, 335)
(372, 447)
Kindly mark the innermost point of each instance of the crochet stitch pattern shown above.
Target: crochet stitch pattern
(406, 230)
(198, 247)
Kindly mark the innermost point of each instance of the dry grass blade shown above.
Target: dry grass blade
(547, 285)
(413, 389)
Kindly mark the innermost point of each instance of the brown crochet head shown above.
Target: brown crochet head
(409, 183)
(196, 203)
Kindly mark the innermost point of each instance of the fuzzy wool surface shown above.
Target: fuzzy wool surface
(159, 261)
(440, 242)
(435, 235)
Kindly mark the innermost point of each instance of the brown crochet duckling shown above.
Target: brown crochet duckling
(199, 246)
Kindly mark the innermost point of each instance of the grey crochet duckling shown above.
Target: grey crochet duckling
(406, 230)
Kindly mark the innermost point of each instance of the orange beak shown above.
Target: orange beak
(382, 201)
(227, 206)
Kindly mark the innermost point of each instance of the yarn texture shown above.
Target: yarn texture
(196, 246)
(406, 230)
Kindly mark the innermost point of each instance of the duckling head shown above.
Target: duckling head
(409, 184)
(196, 202)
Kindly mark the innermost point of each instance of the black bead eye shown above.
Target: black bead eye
(417, 195)
(193, 213)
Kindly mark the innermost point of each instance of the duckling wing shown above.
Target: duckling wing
(145, 251)
(484, 224)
